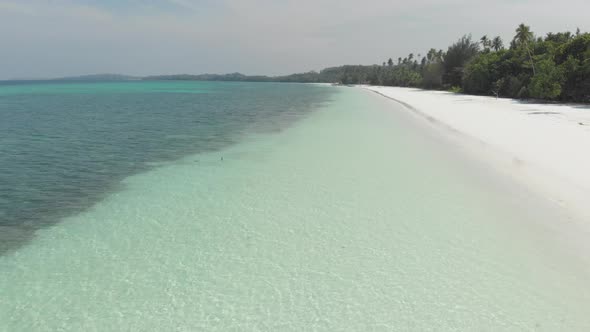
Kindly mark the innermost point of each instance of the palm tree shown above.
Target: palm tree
(431, 55)
(523, 34)
(523, 38)
(457, 57)
(497, 43)
(485, 42)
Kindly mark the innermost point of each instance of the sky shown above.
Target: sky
(56, 38)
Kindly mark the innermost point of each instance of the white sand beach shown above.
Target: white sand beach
(544, 146)
(358, 217)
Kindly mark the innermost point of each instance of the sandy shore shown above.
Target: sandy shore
(544, 146)
(358, 217)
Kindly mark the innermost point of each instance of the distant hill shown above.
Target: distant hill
(328, 75)
(233, 77)
(100, 77)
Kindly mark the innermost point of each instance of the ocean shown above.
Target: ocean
(64, 146)
(152, 206)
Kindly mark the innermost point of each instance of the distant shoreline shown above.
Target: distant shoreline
(328, 76)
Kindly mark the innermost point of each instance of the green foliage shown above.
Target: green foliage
(497, 44)
(481, 74)
(432, 74)
(510, 86)
(523, 40)
(574, 59)
(455, 89)
(547, 83)
(554, 67)
(456, 58)
(523, 93)
(523, 36)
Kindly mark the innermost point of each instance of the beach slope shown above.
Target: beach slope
(544, 146)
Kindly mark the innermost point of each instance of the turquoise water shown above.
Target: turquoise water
(353, 218)
(65, 146)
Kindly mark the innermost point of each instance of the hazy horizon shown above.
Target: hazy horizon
(49, 39)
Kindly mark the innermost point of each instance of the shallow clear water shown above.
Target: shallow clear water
(63, 146)
(355, 218)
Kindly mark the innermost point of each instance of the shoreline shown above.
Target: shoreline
(345, 199)
(541, 146)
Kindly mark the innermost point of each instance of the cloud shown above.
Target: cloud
(67, 37)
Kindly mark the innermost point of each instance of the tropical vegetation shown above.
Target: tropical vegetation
(555, 67)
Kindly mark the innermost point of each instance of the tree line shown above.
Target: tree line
(553, 67)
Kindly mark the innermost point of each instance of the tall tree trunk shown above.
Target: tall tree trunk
(526, 45)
